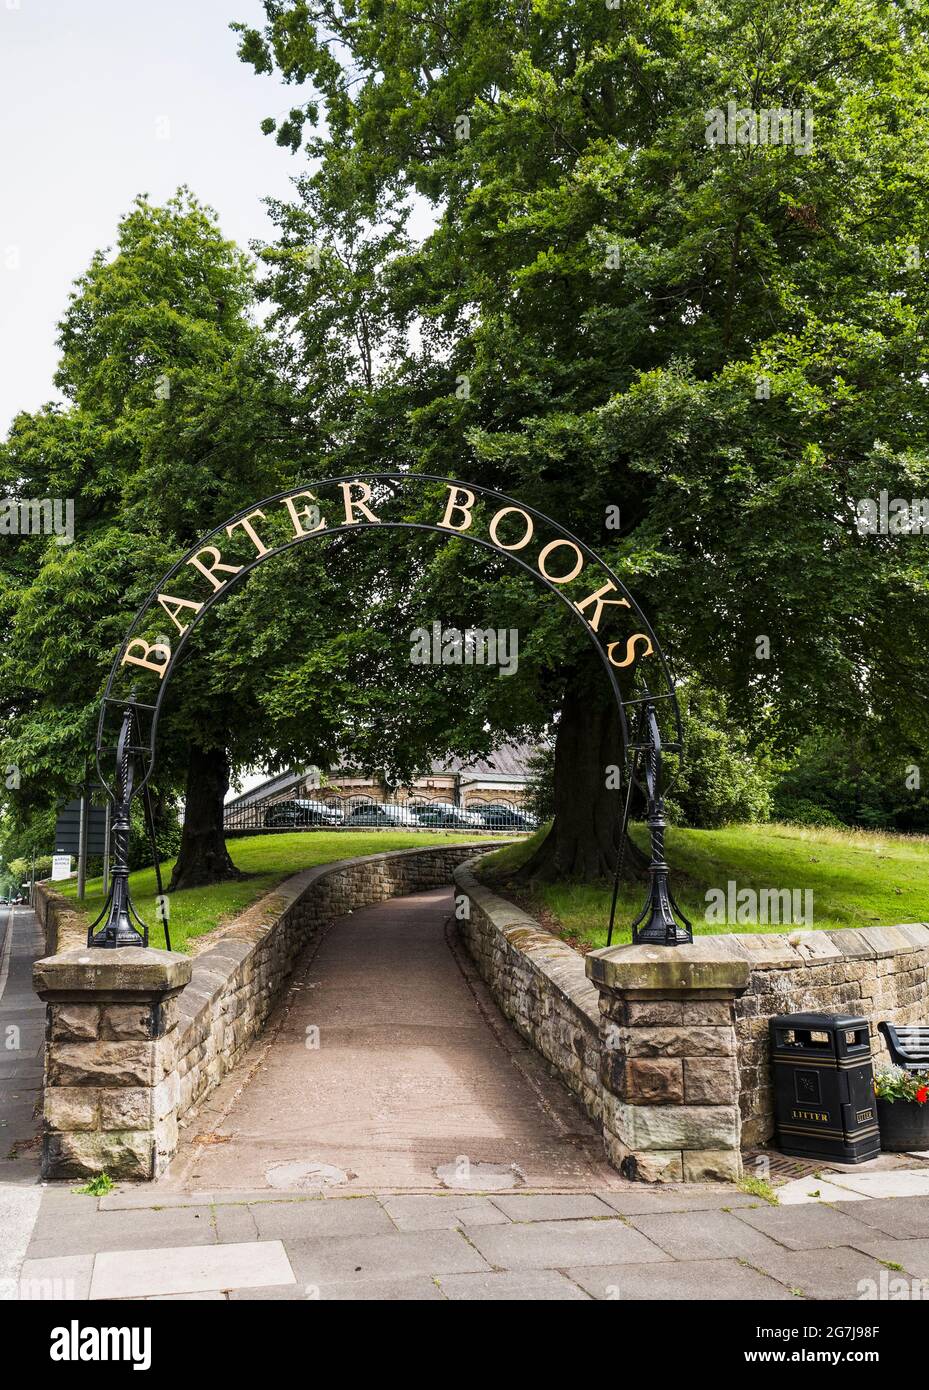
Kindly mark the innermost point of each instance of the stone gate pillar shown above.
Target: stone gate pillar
(111, 1085)
(668, 1059)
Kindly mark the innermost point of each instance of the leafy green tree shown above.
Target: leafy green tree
(169, 393)
(724, 340)
(720, 780)
(849, 781)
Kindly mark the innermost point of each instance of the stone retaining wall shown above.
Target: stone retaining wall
(61, 925)
(668, 1046)
(136, 1038)
(539, 983)
(881, 973)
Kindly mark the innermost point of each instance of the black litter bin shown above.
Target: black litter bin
(824, 1087)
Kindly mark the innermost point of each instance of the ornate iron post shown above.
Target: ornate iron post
(657, 923)
(664, 922)
(118, 929)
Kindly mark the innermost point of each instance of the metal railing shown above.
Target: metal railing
(326, 810)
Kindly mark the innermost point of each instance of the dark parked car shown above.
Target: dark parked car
(443, 815)
(293, 815)
(376, 814)
(497, 816)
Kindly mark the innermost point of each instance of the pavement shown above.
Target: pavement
(390, 1138)
(22, 1044)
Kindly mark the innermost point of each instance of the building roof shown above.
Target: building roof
(509, 762)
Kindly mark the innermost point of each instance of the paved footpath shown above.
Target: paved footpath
(22, 1045)
(391, 1138)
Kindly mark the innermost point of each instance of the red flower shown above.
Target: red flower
(922, 1094)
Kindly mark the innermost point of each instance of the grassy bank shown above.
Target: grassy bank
(265, 860)
(857, 879)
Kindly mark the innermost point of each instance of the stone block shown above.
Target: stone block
(131, 970)
(71, 1108)
(658, 1081)
(716, 1013)
(643, 1012)
(126, 1107)
(83, 1155)
(710, 1081)
(677, 1042)
(129, 1022)
(647, 1127)
(73, 1022)
(101, 1064)
(712, 1165)
(655, 1166)
(709, 962)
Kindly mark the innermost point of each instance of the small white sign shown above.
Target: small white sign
(61, 866)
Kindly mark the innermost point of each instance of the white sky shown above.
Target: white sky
(86, 87)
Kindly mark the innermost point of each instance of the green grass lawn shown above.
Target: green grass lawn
(857, 878)
(266, 860)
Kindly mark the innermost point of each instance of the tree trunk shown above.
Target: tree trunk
(583, 840)
(203, 857)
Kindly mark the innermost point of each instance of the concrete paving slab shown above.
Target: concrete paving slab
(209, 1296)
(150, 1195)
(681, 1280)
(524, 1286)
(892, 1182)
(189, 1269)
(241, 1197)
(323, 1262)
(911, 1255)
(60, 1277)
(278, 1293)
(564, 1207)
(358, 1216)
(812, 1227)
(421, 1289)
(703, 1235)
(64, 1196)
(144, 1228)
(841, 1274)
(905, 1217)
(440, 1213)
(800, 1191)
(234, 1224)
(557, 1244)
(19, 1207)
(638, 1199)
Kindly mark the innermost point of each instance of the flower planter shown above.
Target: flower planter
(904, 1125)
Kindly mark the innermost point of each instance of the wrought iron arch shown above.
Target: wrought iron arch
(151, 658)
